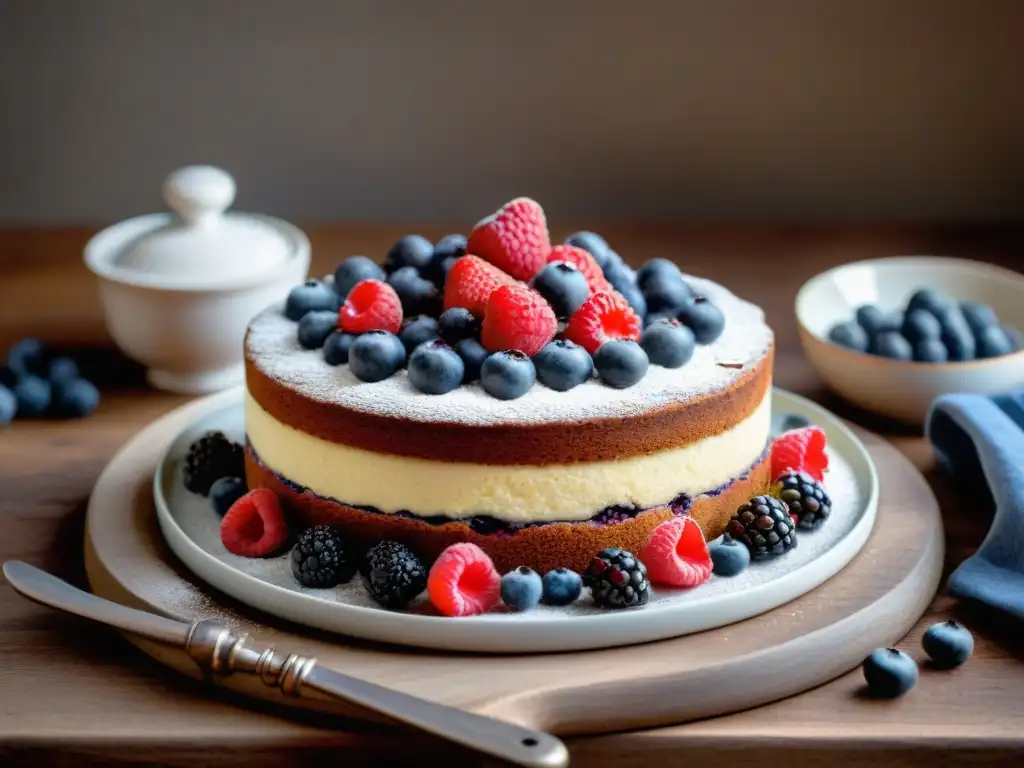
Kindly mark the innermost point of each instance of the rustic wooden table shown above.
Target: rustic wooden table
(75, 694)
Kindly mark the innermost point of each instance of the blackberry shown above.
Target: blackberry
(210, 458)
(617, 579)
(319, 558)
(393, 574)
(804, 497)
(763, 524)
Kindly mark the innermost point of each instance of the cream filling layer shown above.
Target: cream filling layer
(515, 494)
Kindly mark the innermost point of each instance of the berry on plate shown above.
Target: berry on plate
(319, 558)
(703, 318)
(255, 525)
(602, 318)
(850, 335)
(34, 395)
(592, 243)
(948, 644)
(521, 589)
(418, 295)
(563, 286)
(517, 318)
(808, 503)
(620, 364)
(677, 554)
(463, 581)
(456, 324)
(311, 296)
(371, 306)
(315, 327)
(728, 556)
(889, 673)
(471, 281)
(763, 524)
(585, 263)
(617, 579)
(336, 347)
(418, 330)
(75, 399)
(562, 365)
(473, 355)
(802, 450)
(210, 458)
(393, 574)
(561, 586)
(507, 375)
(411, 251)
(668, 343)
(224, 492)
(376, 356)
(514, 239)
(353, 271)
(435, 368)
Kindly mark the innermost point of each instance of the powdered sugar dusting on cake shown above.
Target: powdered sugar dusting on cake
(273, 345)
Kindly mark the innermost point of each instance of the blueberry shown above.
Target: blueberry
(521, 589)
(411, 251)
(666, 294)
(563, 286)
(978, 316)
(891, 344)
(654, 317)
(225, 492)
(892, 322)
(929, 300)
(889, 673)
(668, 343)
(27, 356)
(419, 296)
(456, 324)
(920, 324)
(956, 334)
(850, 335)
(948, 644)
(33, 394)
(354, 270)
(705, 319)
(375, 356)
(660, 269)
(8, 406)
(993, 342)
(1014, 336)
(446, 251)
(562, 365)
(623, 280)
(473, 355)
(930, 351)
(336, 347)
(62, 370)
(75, 399)
(728, 556)
(634, 298)
(870, 318)
(620, 364)
(615, 262)
(417, 330)
(794, 421)
(561, 586)
(507, 375)
(435, 368)
(592, 243)
(311, 296)
(315, 327)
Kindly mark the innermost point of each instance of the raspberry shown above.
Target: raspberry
(372, 305)
(677, 554)
(463, 581)
(518, 318)
(255, 525)
(514, 239)
(603, 317)
(585, 263)
(800, 450)
(470, 283)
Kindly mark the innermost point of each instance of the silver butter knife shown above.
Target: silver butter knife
(219, 652)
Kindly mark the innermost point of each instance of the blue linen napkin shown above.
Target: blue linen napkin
(979, 440)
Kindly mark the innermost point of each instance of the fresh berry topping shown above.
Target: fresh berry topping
(668, 343)
(456, 324)
(337, 346)
(315, 327)
(463, 581)
(728, 556)
(562, 286)
(311, 296)
(892, 345)
(603, 317)
(371, 306)
(656, 317)
(34, 395)
(561, 587)
(471, 282)
(225, 492)
(210, 458)
(948, 644)
(800, 450)
(8, 406)
(393, 574)
(592, 243)
(994, 341)
(703, 318)
(473, 355)
(27, 356)
(418, 295)
(562, 365)
(804, 497)
(446, 251)
(411, 251)
(763, 524)
(930, 300)
(957, 336)
(677, 554)
(850, 335)
(435, 368)
(978, 316)
(517, 318)
(507, 375)
(585, 263)
(617, 579)
(521, 589)
(319, 558)
(889, 673)
(666, 291)
(353, 271)
(657, 270)
(514, 239)
(62, 370)
(376, 356)
(418, 330)
(255, 525)
(620, 364)
(628, 290)
(75, 399)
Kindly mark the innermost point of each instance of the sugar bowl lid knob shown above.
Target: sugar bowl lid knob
(199, 194)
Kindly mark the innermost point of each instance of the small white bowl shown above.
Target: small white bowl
(893, 388)
(178, 291)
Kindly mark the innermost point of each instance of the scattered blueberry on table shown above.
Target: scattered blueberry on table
(948, 644)
(890, 673)
(36, 382)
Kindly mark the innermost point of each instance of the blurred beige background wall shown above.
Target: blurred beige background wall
(725, 110)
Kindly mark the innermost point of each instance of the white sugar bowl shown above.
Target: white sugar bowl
(179, 289)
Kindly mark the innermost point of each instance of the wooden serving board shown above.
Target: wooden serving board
(873, 602)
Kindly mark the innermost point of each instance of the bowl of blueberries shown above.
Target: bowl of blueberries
(890, 335)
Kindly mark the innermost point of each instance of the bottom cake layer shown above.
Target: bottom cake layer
(541, 547)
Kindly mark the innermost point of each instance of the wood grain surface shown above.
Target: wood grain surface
(74, 694)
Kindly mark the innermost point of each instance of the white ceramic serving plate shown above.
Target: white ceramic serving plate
(191, 529)
(893, 388)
